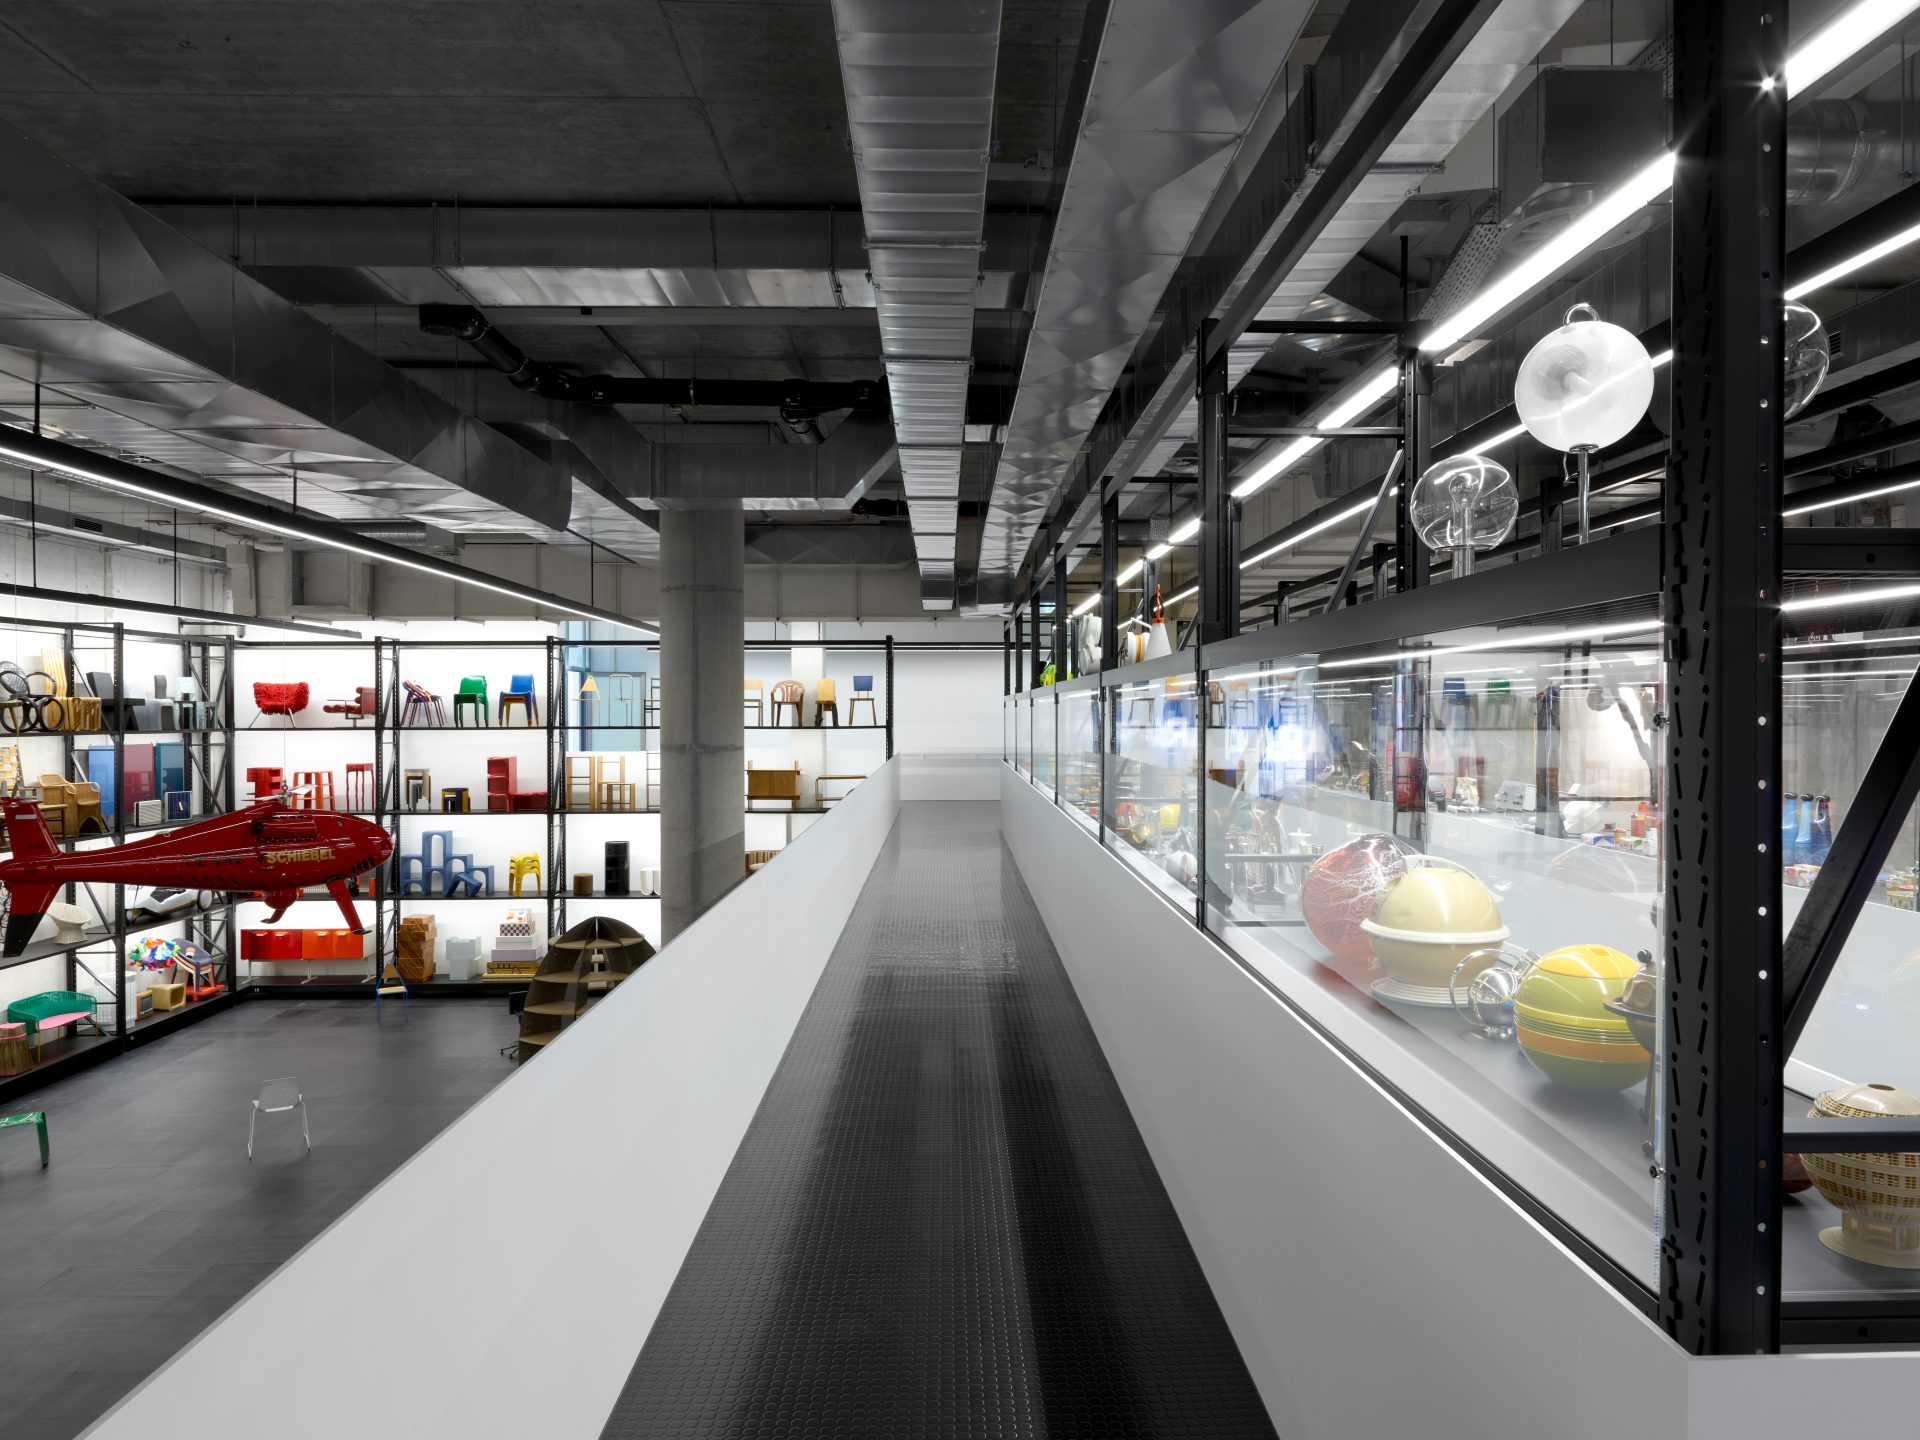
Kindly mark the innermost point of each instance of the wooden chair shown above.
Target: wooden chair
(71, 807)
(612, 789)
(825, 703)
(863, 695)
(650, 713)
(757, 858)
(583, 782)
(789, 692)
(755, 700)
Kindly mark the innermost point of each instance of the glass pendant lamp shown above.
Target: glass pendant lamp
(1464, 504)
(1583, 386)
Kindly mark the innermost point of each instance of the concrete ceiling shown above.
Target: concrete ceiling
(492, 101)
(586, 104)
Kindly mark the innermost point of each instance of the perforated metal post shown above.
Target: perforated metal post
(1720, 1246)
(1219, 540)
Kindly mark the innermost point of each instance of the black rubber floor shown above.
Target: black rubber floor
(942, 1221)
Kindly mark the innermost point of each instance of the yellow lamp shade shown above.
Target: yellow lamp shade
(1563, 1024)
(1432, 918)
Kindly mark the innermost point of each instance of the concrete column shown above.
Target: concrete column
(702, 751)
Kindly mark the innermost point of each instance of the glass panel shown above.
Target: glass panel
(1839, 694)
(1450, 860)
(1080, 756)
(1023, 735)
(1152, 782)
(1044, 740)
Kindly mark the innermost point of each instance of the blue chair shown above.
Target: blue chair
(519, 691)
(862, 692)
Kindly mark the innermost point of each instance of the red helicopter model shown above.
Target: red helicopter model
(266, 850)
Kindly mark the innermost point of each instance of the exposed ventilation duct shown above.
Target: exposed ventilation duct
(105, 304)
(919, 82)
(563, 259)
(1173, 90)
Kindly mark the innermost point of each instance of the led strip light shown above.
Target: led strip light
(312, 535)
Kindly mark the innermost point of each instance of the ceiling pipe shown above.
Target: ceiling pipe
(800, 402)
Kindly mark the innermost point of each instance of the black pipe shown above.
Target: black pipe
(800, 402)
(1877, 443)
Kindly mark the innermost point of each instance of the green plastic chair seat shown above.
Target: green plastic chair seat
(472, 691)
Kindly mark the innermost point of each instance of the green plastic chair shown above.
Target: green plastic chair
(472, 691)
(32, 1117)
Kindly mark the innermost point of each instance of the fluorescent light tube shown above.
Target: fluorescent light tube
(1822, 54)
(1349, 513)
(1841, 599)
(1613, 209)
(1846, 267)
(1185, 532)
(1893, 489)
(1525, 642)
(310, 536)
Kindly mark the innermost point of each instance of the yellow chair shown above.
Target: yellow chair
(519, 869)
(825, 702)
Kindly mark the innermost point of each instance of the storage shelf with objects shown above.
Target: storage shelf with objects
(114, 734)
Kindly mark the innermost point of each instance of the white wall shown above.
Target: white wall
(1376, 1283)
(584, 1177)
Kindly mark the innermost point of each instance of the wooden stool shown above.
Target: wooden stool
(16, 1057)
(360, 785)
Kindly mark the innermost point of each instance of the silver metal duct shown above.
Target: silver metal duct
(102, 302)
(543, 256)
(1505, 47)
(1173, 90)
(919, 82)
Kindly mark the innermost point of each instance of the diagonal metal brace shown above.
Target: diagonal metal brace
(1852, 866)
(1352, 567)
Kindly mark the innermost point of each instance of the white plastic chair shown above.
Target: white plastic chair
(274, 1097)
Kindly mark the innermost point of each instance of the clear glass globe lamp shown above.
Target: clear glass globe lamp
(1463, 504)
(1583, 386)
(1805, 355)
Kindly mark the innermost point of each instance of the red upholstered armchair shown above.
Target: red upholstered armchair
(279, 698)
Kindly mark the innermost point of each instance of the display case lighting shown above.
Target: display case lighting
(1841, 599)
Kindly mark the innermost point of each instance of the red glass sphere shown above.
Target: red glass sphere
(1343, 889)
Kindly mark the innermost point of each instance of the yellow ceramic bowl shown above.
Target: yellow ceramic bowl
(1563, 1026)
(1430, 919)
